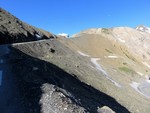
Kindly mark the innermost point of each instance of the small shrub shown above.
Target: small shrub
(108, 51)
(131, 58)
(105, 30)
(125, 69)
(124, 63)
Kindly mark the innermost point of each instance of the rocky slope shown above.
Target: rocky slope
(54, 81)
(13, 30)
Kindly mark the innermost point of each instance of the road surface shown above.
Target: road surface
(9, 102)
(144, 88)
(94, 61)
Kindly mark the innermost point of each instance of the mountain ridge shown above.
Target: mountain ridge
(13, 30)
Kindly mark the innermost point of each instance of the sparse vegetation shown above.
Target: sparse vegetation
(124, 63)
(131, 58)
(105, 30)
(125, 69)
(108, 51)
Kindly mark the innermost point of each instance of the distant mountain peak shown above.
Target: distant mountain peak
(143, 28)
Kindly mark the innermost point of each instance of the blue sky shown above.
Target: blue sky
(72, 16)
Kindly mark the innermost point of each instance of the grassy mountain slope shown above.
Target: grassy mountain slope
(119, 59)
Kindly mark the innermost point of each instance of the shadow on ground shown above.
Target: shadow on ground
(31, 73)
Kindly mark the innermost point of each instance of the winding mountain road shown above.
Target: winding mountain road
(94, 61)
(144, 88)
(97, 65)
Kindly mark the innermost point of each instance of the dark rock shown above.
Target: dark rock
(52, 50)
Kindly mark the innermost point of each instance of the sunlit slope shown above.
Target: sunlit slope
(110, 71)
(123, 55)
(136, 41)
(120, 46)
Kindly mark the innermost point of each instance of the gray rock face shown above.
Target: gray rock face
(55, 101)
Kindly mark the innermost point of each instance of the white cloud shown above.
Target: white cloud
(63, 34)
